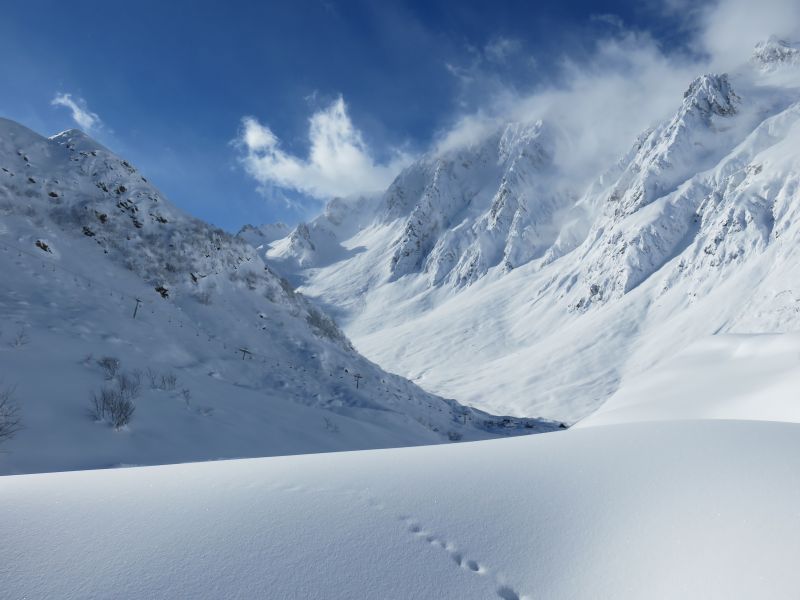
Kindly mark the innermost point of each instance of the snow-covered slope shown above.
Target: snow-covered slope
(775, 54)
(228, 360)
(451, 217)
(692, 509)
(479, 278)
(753, 377)
(264, 234)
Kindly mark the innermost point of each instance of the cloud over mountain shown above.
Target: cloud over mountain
(339, 162)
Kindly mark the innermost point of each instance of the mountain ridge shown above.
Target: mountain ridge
(703, 200)
(226, 358)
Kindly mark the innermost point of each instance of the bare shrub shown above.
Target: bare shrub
(20, 339)
(161, 381)
(114, 403)
(110, 366)
(10, 420)
(129, 385)
(113, 406)
(168, 381)
(100, 402)
(152, 378)
(330, 425)
(120, 411)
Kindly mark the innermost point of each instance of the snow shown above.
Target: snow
(81, 258)
(774, 54)
(614, 279)
(702, 509)
(746, 377)
(657, 309)
(264, 234)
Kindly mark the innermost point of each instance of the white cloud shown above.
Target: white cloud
(80, 111)
(598, 107)
(608, 19)
(339, 163)
(463, 74)
(731, 28)
(500, 48)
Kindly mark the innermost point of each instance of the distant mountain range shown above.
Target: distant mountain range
(485, 274)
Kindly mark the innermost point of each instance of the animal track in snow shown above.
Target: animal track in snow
(434, 540)
(504, 591)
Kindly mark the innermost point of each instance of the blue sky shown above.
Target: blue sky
(171, 82)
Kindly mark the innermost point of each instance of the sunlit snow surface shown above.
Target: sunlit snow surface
(480, 274)
(692, 509)
(683, 481)
(754, 377)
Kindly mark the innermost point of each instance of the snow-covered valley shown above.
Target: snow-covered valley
(183, 413)
(482, 275)
(222, 359)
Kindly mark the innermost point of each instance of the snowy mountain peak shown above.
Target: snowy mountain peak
(775, 53)
(666, 155)
(467, 208)
(519, 138)
(711, 94)
(67, 134)
(264, 234)
(476, 269)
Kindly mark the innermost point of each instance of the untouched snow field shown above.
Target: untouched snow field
(753, 377)
(692, 509)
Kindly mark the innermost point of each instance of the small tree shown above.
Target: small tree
(20, 338)
(168, 381)
(10, 421)
(115, 404)
(121, 412)
(129, 384)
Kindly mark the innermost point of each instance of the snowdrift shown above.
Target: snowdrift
(689, 509)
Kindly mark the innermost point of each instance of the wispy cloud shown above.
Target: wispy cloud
(609, 19)
(730, 28)
(501, 47)
(625, 83)
(81, 114)
(339, 163)
(597, 106)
